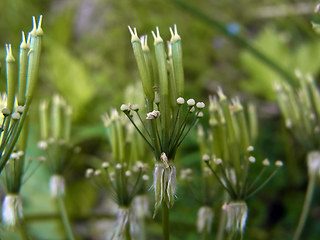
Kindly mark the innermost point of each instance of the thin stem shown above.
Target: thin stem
(150, 145)
(127, 230)
(165, 221)
(306, 206)
(64, 216)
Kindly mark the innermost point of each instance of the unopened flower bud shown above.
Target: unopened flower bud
(205, 158)
(180, 100)
(89, 172)
(200, 105)
(266, 162)
(105, 165)
(252, 159)
(191, 102)
(279, 163)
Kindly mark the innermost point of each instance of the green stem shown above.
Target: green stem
(306, 206)
(165, 221)
(128, 235)
(64, 216)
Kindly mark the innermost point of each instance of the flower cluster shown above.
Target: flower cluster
(15, 112)
(167, 115)
(55, 129)
(230, 154)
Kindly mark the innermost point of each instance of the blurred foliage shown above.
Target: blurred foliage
(87, 58)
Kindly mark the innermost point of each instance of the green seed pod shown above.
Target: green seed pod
(139, 55)
(43, 114)
(177, 61)
(11, 77)
(34, 57)
(23, 66)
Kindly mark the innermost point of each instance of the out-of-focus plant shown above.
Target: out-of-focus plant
(167, 114)
(301, 111)
(230, 156)
(55, 131)
(21, 85)
(124, 177)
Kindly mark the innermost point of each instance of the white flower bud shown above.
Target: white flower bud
(97, 172)
(250, 149)
(42, 145)
(200, 115)
(145, 177)
(200, 105)
(15, 116)
(124, 107)
(105, 165)
(89, 172)
(128, 173)
(180, 100)
(205, 158)
(153, 114)
(266, 162)
(279, 163)
(118, 166)
(252, 159)
(217, 161)
(134, 107)
(191, 102)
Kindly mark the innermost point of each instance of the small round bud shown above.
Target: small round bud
(180, 100)
(97, 172)
(250, 149)
(89, 172)
(279, 163)
(266, 162)
(191, 102)
(15, 116)
(20, 109)
(145, 177)
(134, 107)
(200, 105)
(252, 159)
(124, 108)
(14, 156)
(118, 166)
(105, 165)
(42, 145)
(217, 161)
(6, 111)
(200, 115)
(128, 173)
(205, 158)
(153, 114)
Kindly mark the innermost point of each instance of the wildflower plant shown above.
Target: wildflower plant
(57, 149)
(231, 155)
(167, 113)
(124, 177)
(301, 111)
(20, 89)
